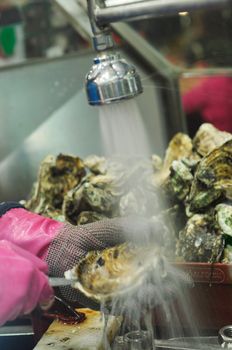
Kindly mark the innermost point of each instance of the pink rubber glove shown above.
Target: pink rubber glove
(31, 232)
(23, 284)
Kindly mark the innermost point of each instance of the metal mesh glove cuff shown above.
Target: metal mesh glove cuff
(73, 242)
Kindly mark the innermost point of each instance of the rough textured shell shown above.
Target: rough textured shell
(57, 175)
(208, 138)
(179, 147)
(213, 177)
(180, 179)
(97, 165)
(86, 217)
(103, 274)
(215, 170)
(74, 203)
(99, 199)
(224, 218)
(198, 241)
(227, 255)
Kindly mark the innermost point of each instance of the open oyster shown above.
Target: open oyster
(115, 271)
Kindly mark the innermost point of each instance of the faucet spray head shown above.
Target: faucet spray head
(111, 79)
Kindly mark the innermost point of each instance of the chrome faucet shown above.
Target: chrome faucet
(111, 78)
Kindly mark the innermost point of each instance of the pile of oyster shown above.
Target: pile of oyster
(190, 189)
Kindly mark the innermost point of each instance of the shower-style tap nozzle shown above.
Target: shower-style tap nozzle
(111, 79)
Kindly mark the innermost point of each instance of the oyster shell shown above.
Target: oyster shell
(132, 203)
(97, 165)
(141, 202)
(215, 170)
(98, 199)
(103, 275)
(208, 138)
(179, 147)
(224, 218)
(74, 203)
(57, 175)
(180, 179)
(86, 217)
(199, 241)
(227, 255)
(213, 177)
(98, 193)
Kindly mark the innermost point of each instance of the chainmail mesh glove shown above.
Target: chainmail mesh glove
(61, 245)
(73, 242)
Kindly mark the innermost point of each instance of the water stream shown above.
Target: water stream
(124, 135)
(123, 131)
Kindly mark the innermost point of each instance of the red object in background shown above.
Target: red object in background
(212, 98)
(199, 310)
(211, 296)
(117, 39)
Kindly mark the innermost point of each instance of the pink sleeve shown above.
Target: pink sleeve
(195, 99)
(31, 232)
(23, 282)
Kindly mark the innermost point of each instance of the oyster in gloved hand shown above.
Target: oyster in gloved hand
(122, 271)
